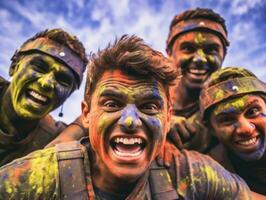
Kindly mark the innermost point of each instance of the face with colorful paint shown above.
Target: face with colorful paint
(39, 84)
(128, 119)
(240, 124)
(197, 54)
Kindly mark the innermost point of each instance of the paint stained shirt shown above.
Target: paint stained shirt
(46, 130)
(254, 173)
(193, 176)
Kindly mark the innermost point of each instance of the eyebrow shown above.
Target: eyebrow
(150, 95)
(228, 111)
(112, 93)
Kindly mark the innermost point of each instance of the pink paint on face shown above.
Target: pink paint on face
(241, 125)
(128, 122)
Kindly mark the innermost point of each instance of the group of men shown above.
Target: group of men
(142, 113)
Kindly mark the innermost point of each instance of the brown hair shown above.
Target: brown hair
(133, 56)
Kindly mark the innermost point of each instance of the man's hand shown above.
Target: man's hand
(165, 158)
(181, 132)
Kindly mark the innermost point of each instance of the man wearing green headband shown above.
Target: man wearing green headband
(233, 105)
(197, 44)
(45, 71)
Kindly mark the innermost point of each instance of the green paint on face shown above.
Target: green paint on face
(233, 105)
(199, 38)
(39, 85)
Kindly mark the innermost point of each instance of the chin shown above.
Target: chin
(128, 174)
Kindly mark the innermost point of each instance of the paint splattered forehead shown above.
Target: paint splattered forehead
(232, 106)
(234, 87)
(131, 86)
(60, 52)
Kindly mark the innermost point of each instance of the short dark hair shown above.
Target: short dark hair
(133, 56)
(198, 13)
(60, 37)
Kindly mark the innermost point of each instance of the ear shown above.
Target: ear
(13, 68)
(85, 114)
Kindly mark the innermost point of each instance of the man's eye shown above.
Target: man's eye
(39, 67)
(111, 105)
(253, 112)
(64, 79)
(211, 50)
(149, 108)
(225, 121)
(188, 48)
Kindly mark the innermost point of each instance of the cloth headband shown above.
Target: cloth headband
(193, 24)
(57, 51)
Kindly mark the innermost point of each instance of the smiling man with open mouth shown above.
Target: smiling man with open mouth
(45, 70)
(126, 110)
(197, 44)
(233, 104)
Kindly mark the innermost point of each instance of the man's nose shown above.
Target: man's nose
(47, 81)
(130, 119)
(244, 127)
(199, 57)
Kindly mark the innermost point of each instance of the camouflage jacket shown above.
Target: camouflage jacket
(254, 173)
(64, 173)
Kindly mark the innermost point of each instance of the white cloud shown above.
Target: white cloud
(240, 7)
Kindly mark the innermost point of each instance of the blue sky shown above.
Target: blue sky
(97, 22)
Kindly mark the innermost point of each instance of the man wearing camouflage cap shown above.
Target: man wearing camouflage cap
(45, 71)
(233, 105)
(197, 44)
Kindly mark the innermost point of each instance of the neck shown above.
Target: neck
(185, 96)
(11, 123)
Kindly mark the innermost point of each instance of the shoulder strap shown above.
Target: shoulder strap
(160, 182)
(71, 171)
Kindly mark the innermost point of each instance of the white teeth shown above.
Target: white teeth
(38, 96)
(198, 71)
(128, 141)
(248, 142)
(128, 154)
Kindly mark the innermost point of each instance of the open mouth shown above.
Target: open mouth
(198, 72)
(249, 143)
(36, 98)
(128, 146)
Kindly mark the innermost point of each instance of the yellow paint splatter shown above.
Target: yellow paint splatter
(128, 121)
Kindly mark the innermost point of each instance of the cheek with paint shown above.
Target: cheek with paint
(215, 62)
(61, 94)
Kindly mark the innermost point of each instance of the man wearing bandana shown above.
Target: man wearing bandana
(197, 44)
(127, 113)
(233, 104)
(45, 71)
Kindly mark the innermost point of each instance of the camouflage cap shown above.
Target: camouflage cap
(58, 51)
(221, 91)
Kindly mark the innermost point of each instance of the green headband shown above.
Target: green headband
(226, 89)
